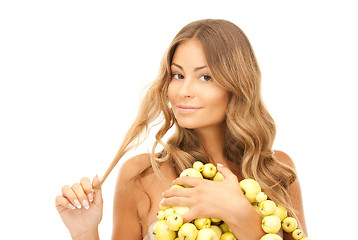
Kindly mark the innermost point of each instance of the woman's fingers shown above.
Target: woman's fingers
(87, 188)
(63, 202)
(68, 193)
(81, 195)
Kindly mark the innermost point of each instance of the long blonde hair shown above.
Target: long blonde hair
(249, 128)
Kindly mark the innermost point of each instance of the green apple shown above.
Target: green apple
(225, 228)
(271, 236)
(250, 189)
(174, 222)
(297, 234)
(280, 212)
(201, 223)
(198, 166)
(271, 224)
(218, 177)
(217, 229)
(180, 210)
(161, 231)
(207, 234)
(268, 207)
(187, 231)
(209, 170)
(228, 236)
(260, 197)
(289, 224)
(160, 215)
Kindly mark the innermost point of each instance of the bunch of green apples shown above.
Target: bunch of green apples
(170, 223)
(273, 216)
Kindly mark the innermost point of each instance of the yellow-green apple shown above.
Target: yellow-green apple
(267, 207)
(225, 228)
(187, 231)
(260, 197)
(180, 210)
(256, 206)
(176, 186)
(228, 236)
(198, 166)
(191, 172)
(280, 212)
(215, 221)
(250, 188)
(168, 212)
(271, 224)
(218, 177)
(209, 170)
(207, 234)
(297, 234)
(201, 223)
(289, 224)
(174, 222)
(271, 236)
(217, 230)
(160, 215)
(163, 208)
(161, 231)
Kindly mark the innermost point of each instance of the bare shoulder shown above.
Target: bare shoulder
(133, 167)
(284, 158)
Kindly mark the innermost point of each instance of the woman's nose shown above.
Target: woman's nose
(187, 88)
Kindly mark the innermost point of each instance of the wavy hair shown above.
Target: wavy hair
(249, 129)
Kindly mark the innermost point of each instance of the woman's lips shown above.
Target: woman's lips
(185, 109)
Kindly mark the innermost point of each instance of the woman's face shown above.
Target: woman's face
(197, 101)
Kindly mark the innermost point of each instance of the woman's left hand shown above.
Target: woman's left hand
(207, 198)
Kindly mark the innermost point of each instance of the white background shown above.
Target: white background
(72, 72)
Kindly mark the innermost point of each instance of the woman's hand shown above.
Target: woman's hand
(207, 198)
(80, 208)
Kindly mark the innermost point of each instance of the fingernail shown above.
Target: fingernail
(220, 165)
(85, 204)
(71, 206)
(161, 202)
(77, 203)
(90, 197)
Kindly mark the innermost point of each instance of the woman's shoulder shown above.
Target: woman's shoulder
(284, 158)
(133, 167)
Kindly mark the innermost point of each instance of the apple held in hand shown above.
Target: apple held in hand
(174, 222)
(260, 197)
(297, 234)
(250, 189)
(187, 231)
(207, 234)
(271, 236)
(201, 223)
(198, 166)
(161, 231)
(180, 210)
(271, 224)
(209, 170)
(217, 230)
(218, 177)
(280, 212)
(228, 236)
(267, 207)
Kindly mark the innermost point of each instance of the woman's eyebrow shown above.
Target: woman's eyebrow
(195, 69)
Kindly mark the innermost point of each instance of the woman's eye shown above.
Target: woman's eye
(177, 76)
(205, 78)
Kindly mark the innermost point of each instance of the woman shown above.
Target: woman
(209, 88)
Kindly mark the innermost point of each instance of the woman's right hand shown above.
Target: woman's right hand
(80, 207)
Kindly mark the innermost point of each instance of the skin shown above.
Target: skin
(136, 200)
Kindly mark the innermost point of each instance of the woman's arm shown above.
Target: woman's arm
(126, 223)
